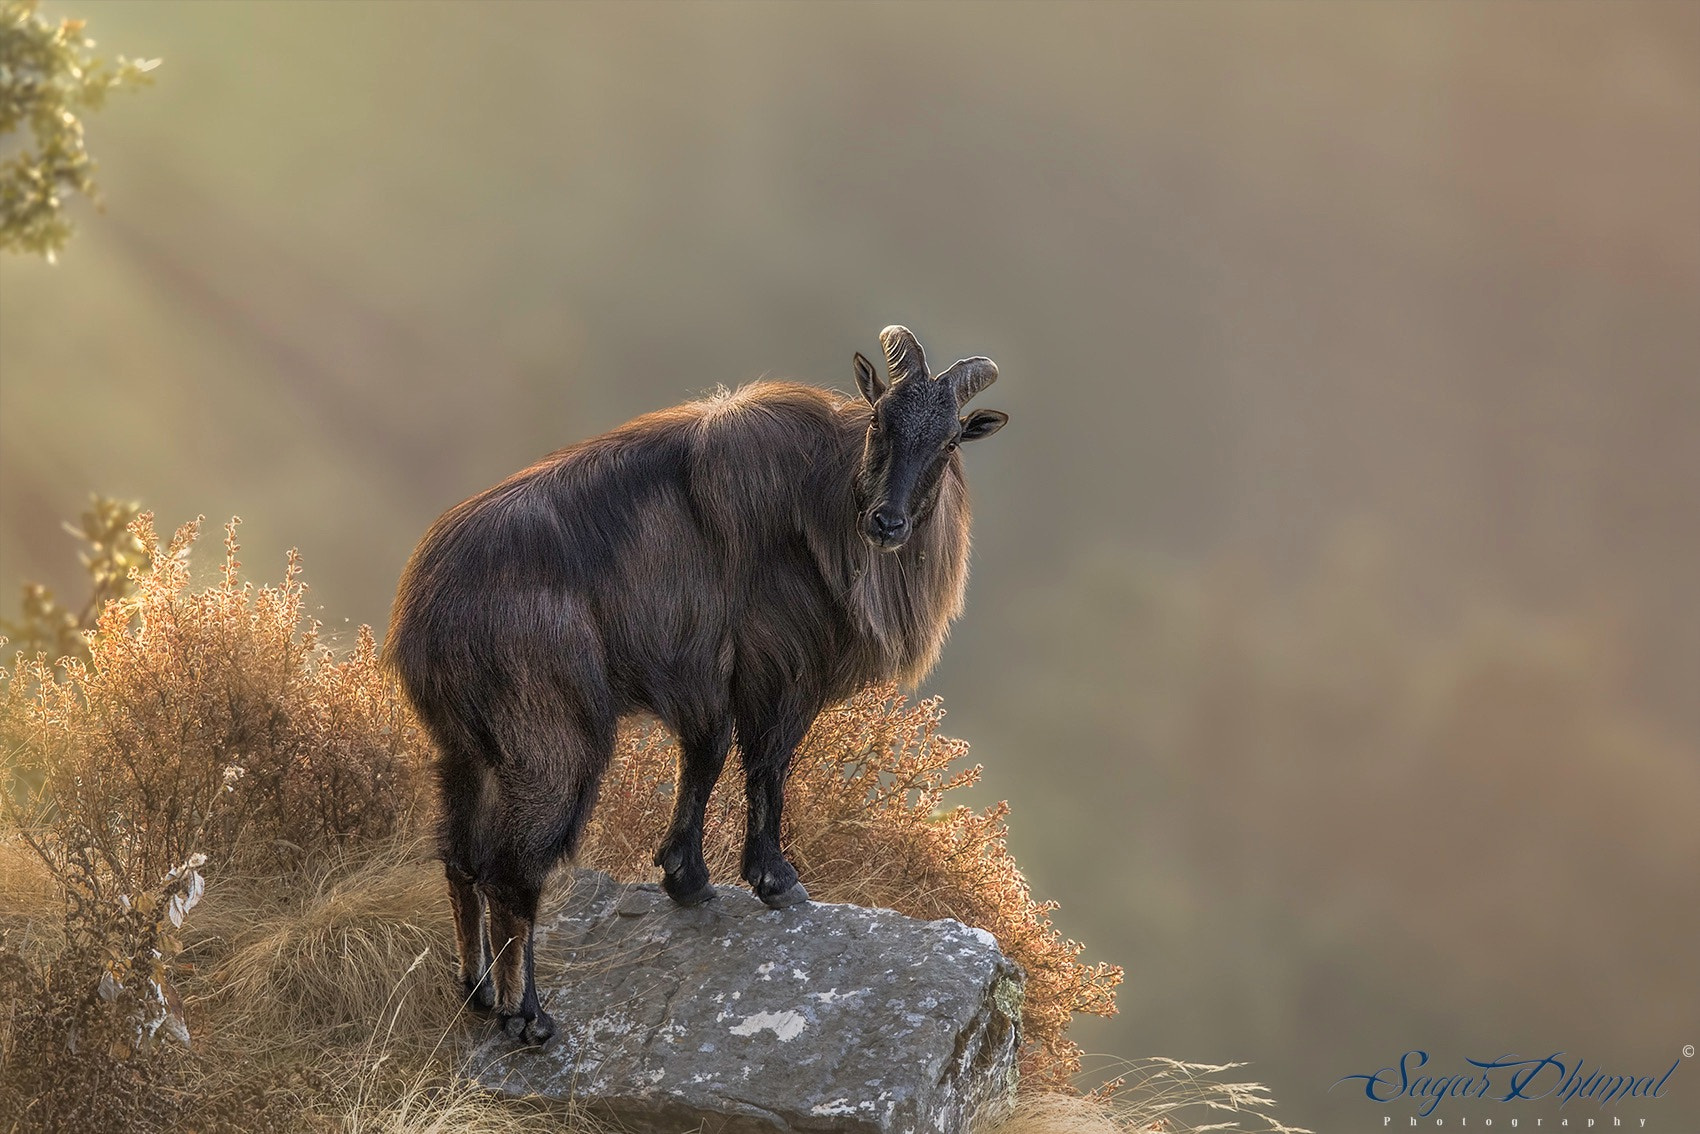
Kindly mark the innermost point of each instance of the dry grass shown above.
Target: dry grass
(333, 992)
(32, 914)
(313, 971)
(1153, 1096)
(319, 963)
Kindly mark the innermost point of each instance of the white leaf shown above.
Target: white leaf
(174, 1027)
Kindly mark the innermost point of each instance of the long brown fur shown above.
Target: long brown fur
(705, 563)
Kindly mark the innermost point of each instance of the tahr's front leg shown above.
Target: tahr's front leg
(700, 760)
(767, 749)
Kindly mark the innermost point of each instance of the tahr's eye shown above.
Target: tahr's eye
(950, 446)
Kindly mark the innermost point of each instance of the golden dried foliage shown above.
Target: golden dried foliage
(222, 695)
(82, 1024)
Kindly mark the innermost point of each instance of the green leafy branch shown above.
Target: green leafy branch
(47, 77)
(111, 552)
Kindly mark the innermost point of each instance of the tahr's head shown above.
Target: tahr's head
(917, 425)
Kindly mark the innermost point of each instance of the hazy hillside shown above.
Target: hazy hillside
(1331, 624)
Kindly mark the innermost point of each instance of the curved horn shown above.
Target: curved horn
(969, 376)
(903, 355)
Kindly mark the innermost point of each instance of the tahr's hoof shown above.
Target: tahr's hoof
(695, 897)
(534, 1032)
(795, 896)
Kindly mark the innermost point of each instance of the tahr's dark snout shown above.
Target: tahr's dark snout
(887, 528)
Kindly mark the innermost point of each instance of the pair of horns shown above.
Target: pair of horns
(906, 361)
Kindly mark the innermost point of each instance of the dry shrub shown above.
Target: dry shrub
(204, 721)
(82, 1023)
(190, 696)
(864, 824)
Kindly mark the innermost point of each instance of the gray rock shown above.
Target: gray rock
(732, 1017)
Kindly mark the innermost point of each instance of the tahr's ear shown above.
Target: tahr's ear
(867, 380)
(982, 423)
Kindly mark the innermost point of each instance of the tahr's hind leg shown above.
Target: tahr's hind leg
(539, 831)
(471, 939)
(539, 708)
(767, 746)
(464, 782)
(701, 757)
(513, 918)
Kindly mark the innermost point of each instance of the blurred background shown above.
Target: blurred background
(1332, 626)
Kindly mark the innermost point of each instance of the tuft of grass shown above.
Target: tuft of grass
(336, 990)
(306, 963)
(1149, 1096)
(456, 1108)
(31, 908)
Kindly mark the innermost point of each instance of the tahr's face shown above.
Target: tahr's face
(914, 433)
(911, 440)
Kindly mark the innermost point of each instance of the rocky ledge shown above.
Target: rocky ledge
(731, 1017)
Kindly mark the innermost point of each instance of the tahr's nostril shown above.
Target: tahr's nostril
(889, 522)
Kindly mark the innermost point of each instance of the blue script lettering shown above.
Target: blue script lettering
(1371, 1082)
(1527, 1079)
(1379, 1087)
(1524, 1077)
